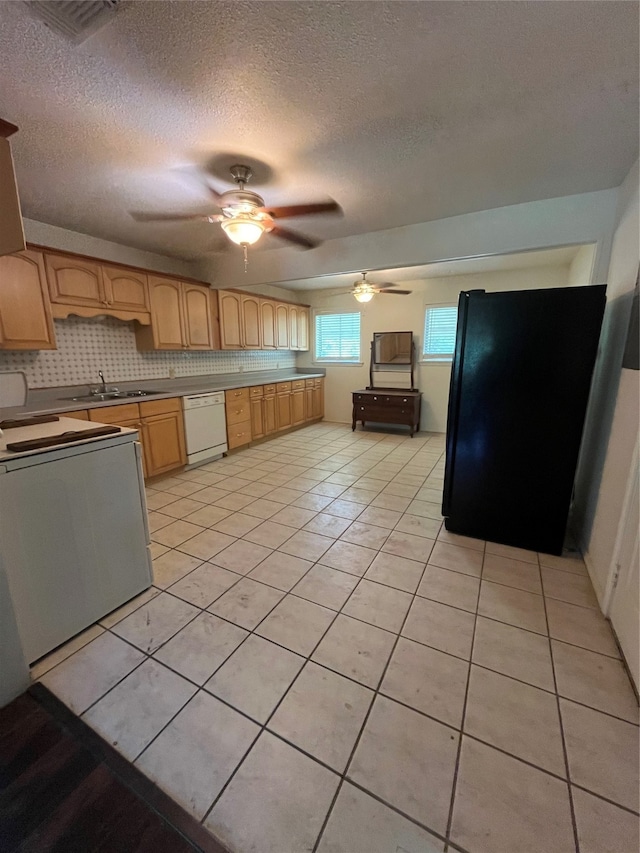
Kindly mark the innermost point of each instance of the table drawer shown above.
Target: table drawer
(297, 385)
(283, 387)
(237, 412)
(256, 391)
(384, 414)
(239, 434)
(236, 395)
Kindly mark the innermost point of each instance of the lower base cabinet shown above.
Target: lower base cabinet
(283, 406)
(238, 414)
(269, 411)
(160, 425)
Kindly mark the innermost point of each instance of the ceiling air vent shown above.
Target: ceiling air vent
(75, 19)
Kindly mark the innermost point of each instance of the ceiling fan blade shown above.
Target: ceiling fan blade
(303, 209)
(294, 237)
(142, 216)
(396, 292)
(215, 195)
(385, 284)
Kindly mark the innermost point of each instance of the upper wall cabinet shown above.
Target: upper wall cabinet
(248, 321)
(86, 287)
(268, 323)
(230, 307)
(125, 290)
(11, 230)
(75, 281)
(181, 317)
(25, 311)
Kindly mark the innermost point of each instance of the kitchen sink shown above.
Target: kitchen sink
(111, 395)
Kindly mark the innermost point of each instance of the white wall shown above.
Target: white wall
(611, 431)
(72, 241)
(584, 218)
(582, 266)
(406, 313)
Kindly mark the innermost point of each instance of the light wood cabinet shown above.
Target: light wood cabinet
(251, 323)
(308, 400)
(268, 323)
(11, 230)
(197, 317)
(215, 319)
(297, 407)
(163, 442)
(238, 414)
(25, 312)
(257, 418)
(180, 317)
(269, 410)
(282, 326)
(75, 281)
(125, 290)
(160, 426)
(318, 398)
(283, 405)
(248, 321)
(293, 326)
(166, 320)
(230, 319)
(303, 328)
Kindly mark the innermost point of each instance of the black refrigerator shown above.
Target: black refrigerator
(519, 388)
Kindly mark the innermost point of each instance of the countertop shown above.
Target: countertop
(50, 401)
(48, 430)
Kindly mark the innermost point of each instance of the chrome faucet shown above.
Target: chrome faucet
(103, 390)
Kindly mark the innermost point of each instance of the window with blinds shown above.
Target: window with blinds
(439, 339)
(338, 337)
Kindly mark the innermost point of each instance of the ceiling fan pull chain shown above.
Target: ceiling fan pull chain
(246, 258)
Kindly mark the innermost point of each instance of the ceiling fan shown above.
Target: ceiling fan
(245, 217)
(364, 290)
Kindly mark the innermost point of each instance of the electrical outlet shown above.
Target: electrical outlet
(172, 373)
(241, 368)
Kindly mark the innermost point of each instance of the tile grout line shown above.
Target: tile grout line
(376, 693)
(464, 708)
(565, 753)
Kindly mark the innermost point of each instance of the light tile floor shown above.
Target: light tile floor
(321, 666)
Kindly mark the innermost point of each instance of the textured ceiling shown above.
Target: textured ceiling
(403, 112)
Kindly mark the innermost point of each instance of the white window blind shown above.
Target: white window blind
(338, 337)
(439, 340)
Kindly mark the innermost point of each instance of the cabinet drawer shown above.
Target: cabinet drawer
(269, 389)
(236, 395)
(237, 412)
(256, 391)
(297, 385)
(115, 414)
(239, 434)
(309, 383)
(160, 407)
(283, 387)
(317, 383)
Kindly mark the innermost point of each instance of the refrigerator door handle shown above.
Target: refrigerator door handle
(454, 402)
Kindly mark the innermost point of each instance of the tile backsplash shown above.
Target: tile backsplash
(87, 346)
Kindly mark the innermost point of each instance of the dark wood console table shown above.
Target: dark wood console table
(387, 406)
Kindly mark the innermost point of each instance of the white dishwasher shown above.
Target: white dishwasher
(205, 427)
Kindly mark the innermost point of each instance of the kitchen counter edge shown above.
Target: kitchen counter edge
(57, 406)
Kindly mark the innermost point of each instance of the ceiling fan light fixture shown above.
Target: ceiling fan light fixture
(363, 295)
(243, 229)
